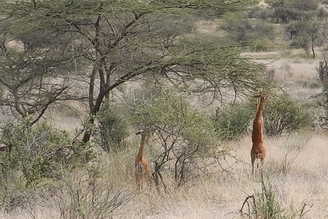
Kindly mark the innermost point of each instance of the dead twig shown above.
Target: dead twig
(303, 211)
(249, 208)
(157, 174)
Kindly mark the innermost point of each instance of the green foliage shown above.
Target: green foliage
(181, 134)
(167, 109)
(36, 152)
(112, 129)
(258, 13)
(283, 115)
(267, 206)
(236, 26)
(28, 157)
(249, 32)
(324, 103)
(322, 13)
(302, 40)
(305, 34)
(232, 121)
(260, 45)
(26, 78)
(304, 5)
(118, 41)
(286, 11)
(323, 73)
(323, 78)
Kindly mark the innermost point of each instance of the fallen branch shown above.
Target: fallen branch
(303, 211)
(249, 208)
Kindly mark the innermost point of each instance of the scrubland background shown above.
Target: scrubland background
(295, 168)
(294, 183)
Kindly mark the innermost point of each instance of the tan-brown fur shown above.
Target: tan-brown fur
(258, 151)
(142, 170)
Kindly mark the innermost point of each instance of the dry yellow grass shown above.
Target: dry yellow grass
(221, 196)
(303, 181)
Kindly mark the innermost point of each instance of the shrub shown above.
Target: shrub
(304, 5)
(324, 103)
(232, 121)
(112, 129)
(35, 152)
(181, 136)
(323, 71)
(323, 78)
(265, 204)
(248, 32)
(258, 13)
(283, 115)
(286, 11)
(260, 45)
(85, 194)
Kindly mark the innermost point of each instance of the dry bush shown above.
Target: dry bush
(85, 195)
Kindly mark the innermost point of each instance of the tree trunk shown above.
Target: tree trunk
(94, 109)
(313, 52)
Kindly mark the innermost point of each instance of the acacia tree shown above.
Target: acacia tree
(292, 10)
(307, 34)
(29, 85)
(34, 64)
(110, 43)
(180, 134)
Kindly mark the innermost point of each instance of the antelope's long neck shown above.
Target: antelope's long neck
(259, 110)
(142, 144)
(257, 134)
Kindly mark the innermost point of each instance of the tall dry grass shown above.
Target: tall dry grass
(295, 167)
